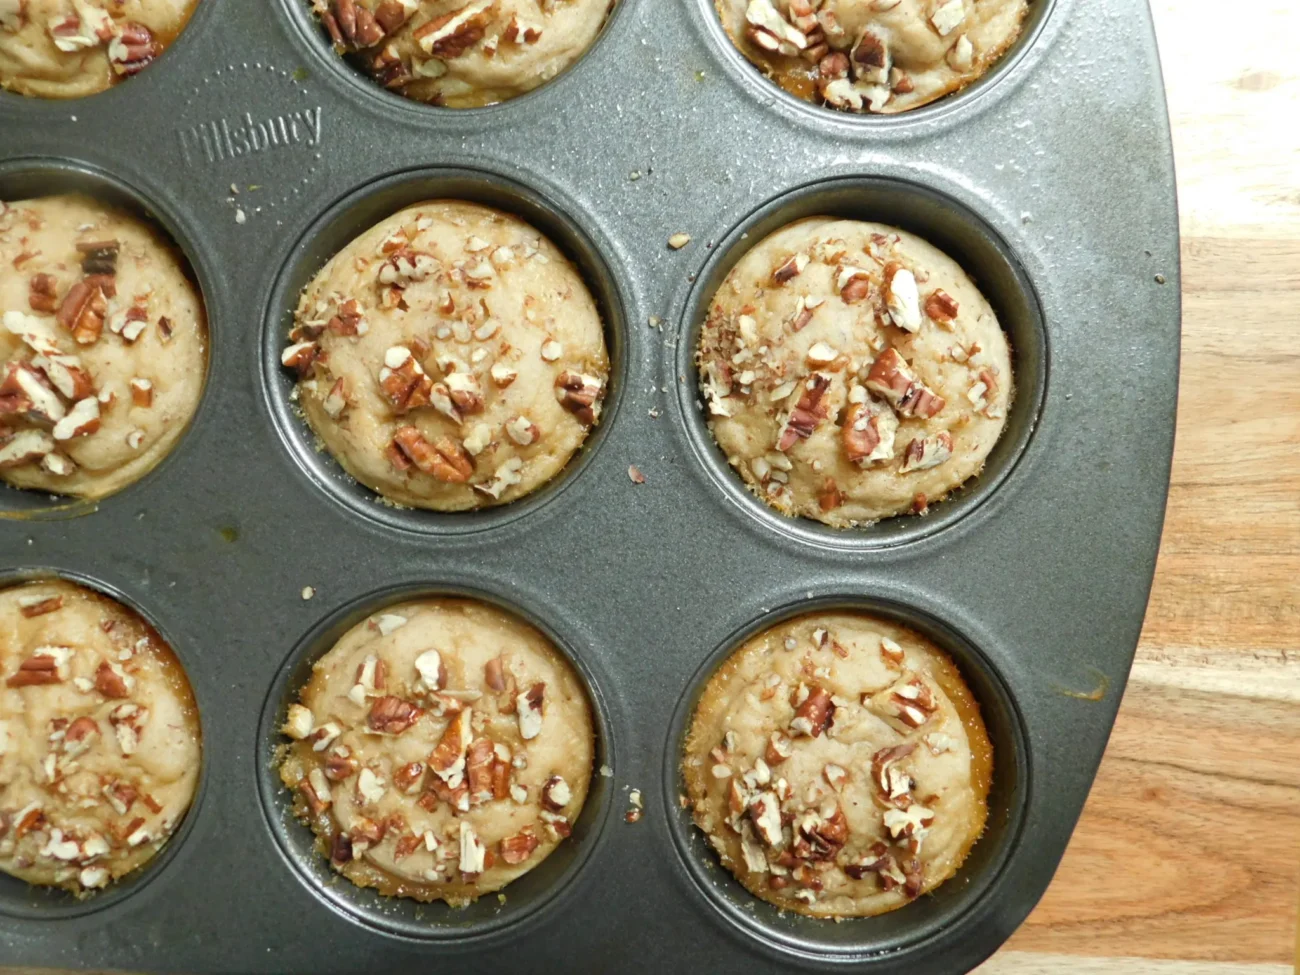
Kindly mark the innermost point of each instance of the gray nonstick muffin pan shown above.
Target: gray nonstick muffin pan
(1051, 181)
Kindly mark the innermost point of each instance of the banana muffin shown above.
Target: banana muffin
(839, 766)
(450, 357)
(99, 738)
(103, 346)
(462, 53)
(73, 48)
(880, 56)
(851, 371)
(441, 749)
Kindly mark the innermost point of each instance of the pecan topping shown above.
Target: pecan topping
(518, 848)
(821, 837)
(98, 256)
(868, 433)
(443, 459)
(494, 674)
(451, 35)
(392, 15)
(392, 716)
(580, 395)
(941, 307)
(779, 748)
(807, 413)
(926, 452)
(48, 665)
(902, 298)
(31, 606)
(478, 769)
(815, 714)
(133, 49)
(556, 793)
(893, 781)
(891, 378)
(529, 706)
(341, 849)
(84, 306)
(340, 767)
(42, 295)
(408, 777)
(405, 383)
(448, 758)
(790, 269)
(23, 447)
(356, 26)
(880, 862)
(301, 356)
(111, 682)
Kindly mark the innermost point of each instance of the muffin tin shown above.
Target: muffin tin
(1050, 181)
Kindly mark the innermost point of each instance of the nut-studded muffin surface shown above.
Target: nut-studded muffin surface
(878, 56)
(851, 371)
(441, 749)
(838, 765)
(450, 357)
(99, 738)
(73, 48)
(103, 346)
(463, 53)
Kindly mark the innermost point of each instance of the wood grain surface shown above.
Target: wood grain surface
(1187, 859)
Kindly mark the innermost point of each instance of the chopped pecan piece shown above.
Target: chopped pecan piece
(42, 295)
(405, 384)
(448, 757)
(821, 837)
(815, 714)
(39, 668)
(580, 394)
(393, 14)
(408, 777)
(392, 716)
(31, 606)
(891, 378)
(340, 767)
(356, 25)
(341, 849)
(83, 308)
(556, 793)
(443, 459)
(791, 268)
(452, 34)
(902, 298)
(868, 433)
(941, 307)
(24, 446)
(518, 848)
(99, 256)
(807, 413)
(301, 356)
(894, 783)
(926, 452)
(494, 674)
(111, 682)
(133, 49)
(529, 705)
(779, 748)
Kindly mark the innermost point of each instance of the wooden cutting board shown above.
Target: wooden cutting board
(1187, 859)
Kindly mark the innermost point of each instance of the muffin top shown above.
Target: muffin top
(461, 54)
(882, 56)
(99, 737)
(103, 346)
(442, 748)
(450, 357)
(851, 371)
(72, 48)
(839, 765)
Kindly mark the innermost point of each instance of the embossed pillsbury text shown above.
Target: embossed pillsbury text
(225, 139)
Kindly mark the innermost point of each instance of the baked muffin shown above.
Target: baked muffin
(463, 53)
(99, 738)
(450, 357)
(103, 347)
(838, 765)
(72, 48)
(851, 372)
(882, 56)
(441, 749)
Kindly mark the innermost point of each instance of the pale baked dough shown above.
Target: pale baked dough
(838, 765)
(73, 48)
(103, 354)
(442, 749)
(795, 368)
(99, 738)
(881, 56)
(463, 53)
(451, 357)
